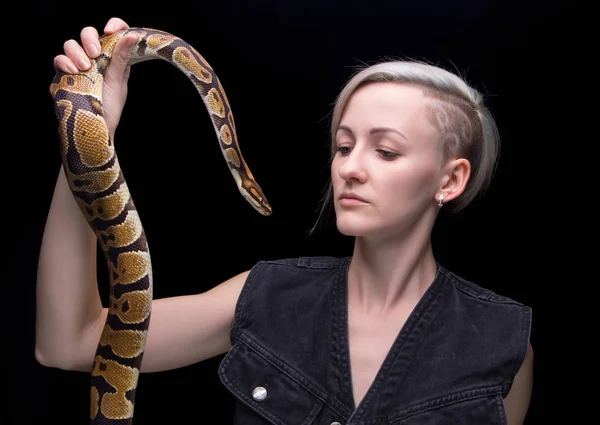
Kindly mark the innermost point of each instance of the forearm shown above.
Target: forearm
(68, 305)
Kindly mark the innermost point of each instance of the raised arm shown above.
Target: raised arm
(70, 316)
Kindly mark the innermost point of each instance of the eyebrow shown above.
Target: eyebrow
(376, 130)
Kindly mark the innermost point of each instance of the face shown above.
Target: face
(388, 164)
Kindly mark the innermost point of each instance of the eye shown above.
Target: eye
(387, 154)
(344, 150)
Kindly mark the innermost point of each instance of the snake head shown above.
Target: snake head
(265, 208)
(257, 199)
(251, 191)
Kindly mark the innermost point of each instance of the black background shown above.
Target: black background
(281, 64)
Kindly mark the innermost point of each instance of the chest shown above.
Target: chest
(370, 340)
(321, 363)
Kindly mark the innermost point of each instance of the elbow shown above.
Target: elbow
(42, 358)
(47, 359)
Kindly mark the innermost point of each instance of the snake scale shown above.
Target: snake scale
(97, 182)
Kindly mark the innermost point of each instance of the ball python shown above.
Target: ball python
(97, 182)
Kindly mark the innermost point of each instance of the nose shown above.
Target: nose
(352, 168)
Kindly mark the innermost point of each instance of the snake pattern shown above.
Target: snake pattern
(97, 182)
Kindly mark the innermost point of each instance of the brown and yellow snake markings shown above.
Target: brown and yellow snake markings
(96, 180)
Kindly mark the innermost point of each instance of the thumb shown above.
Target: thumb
(118, 70)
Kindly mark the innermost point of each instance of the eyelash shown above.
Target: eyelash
(344, 150)
(387, 154)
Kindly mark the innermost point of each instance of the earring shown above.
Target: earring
(441, 201)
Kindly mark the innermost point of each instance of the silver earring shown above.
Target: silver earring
(441, 201)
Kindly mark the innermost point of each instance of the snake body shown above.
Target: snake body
(97, 182)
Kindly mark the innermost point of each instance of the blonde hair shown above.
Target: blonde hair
(465, 125)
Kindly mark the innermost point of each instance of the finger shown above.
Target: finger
(119, 64)
(77, 55)
(115, 24)
(89, 41)
(64, 64)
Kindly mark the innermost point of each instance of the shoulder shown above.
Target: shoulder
(502, 315)
(280, 270)
(310, 263)
(305, 272)
(271, 278)
(285, 287)
(505, 323)
(476, 292)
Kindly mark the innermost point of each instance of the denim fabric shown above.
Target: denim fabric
(453, 362)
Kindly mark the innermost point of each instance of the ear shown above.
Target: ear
(454, 180)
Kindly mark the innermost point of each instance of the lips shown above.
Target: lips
(351, 196)
(351, 200)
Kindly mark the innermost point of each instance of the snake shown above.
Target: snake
(97, 182)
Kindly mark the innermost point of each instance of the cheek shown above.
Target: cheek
(424, 178)
(410, 184)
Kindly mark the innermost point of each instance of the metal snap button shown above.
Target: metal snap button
(336, 423)
(259, 393)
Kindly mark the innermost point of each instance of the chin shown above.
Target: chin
(352, 228)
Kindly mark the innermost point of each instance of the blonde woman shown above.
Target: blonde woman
(400, 339)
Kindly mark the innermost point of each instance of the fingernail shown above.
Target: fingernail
(72, 69)
(86, 63)
(94, 50)
(109, 27)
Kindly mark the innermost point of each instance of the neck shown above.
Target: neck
(385, 275)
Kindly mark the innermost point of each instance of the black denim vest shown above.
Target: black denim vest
(453, 362)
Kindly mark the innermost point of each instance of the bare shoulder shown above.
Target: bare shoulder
(191, 328)
(233, 284)
(226, 294)
(516, 403)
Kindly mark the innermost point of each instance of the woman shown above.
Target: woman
(399, 338)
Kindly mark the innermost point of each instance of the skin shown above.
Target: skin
(386, 154)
